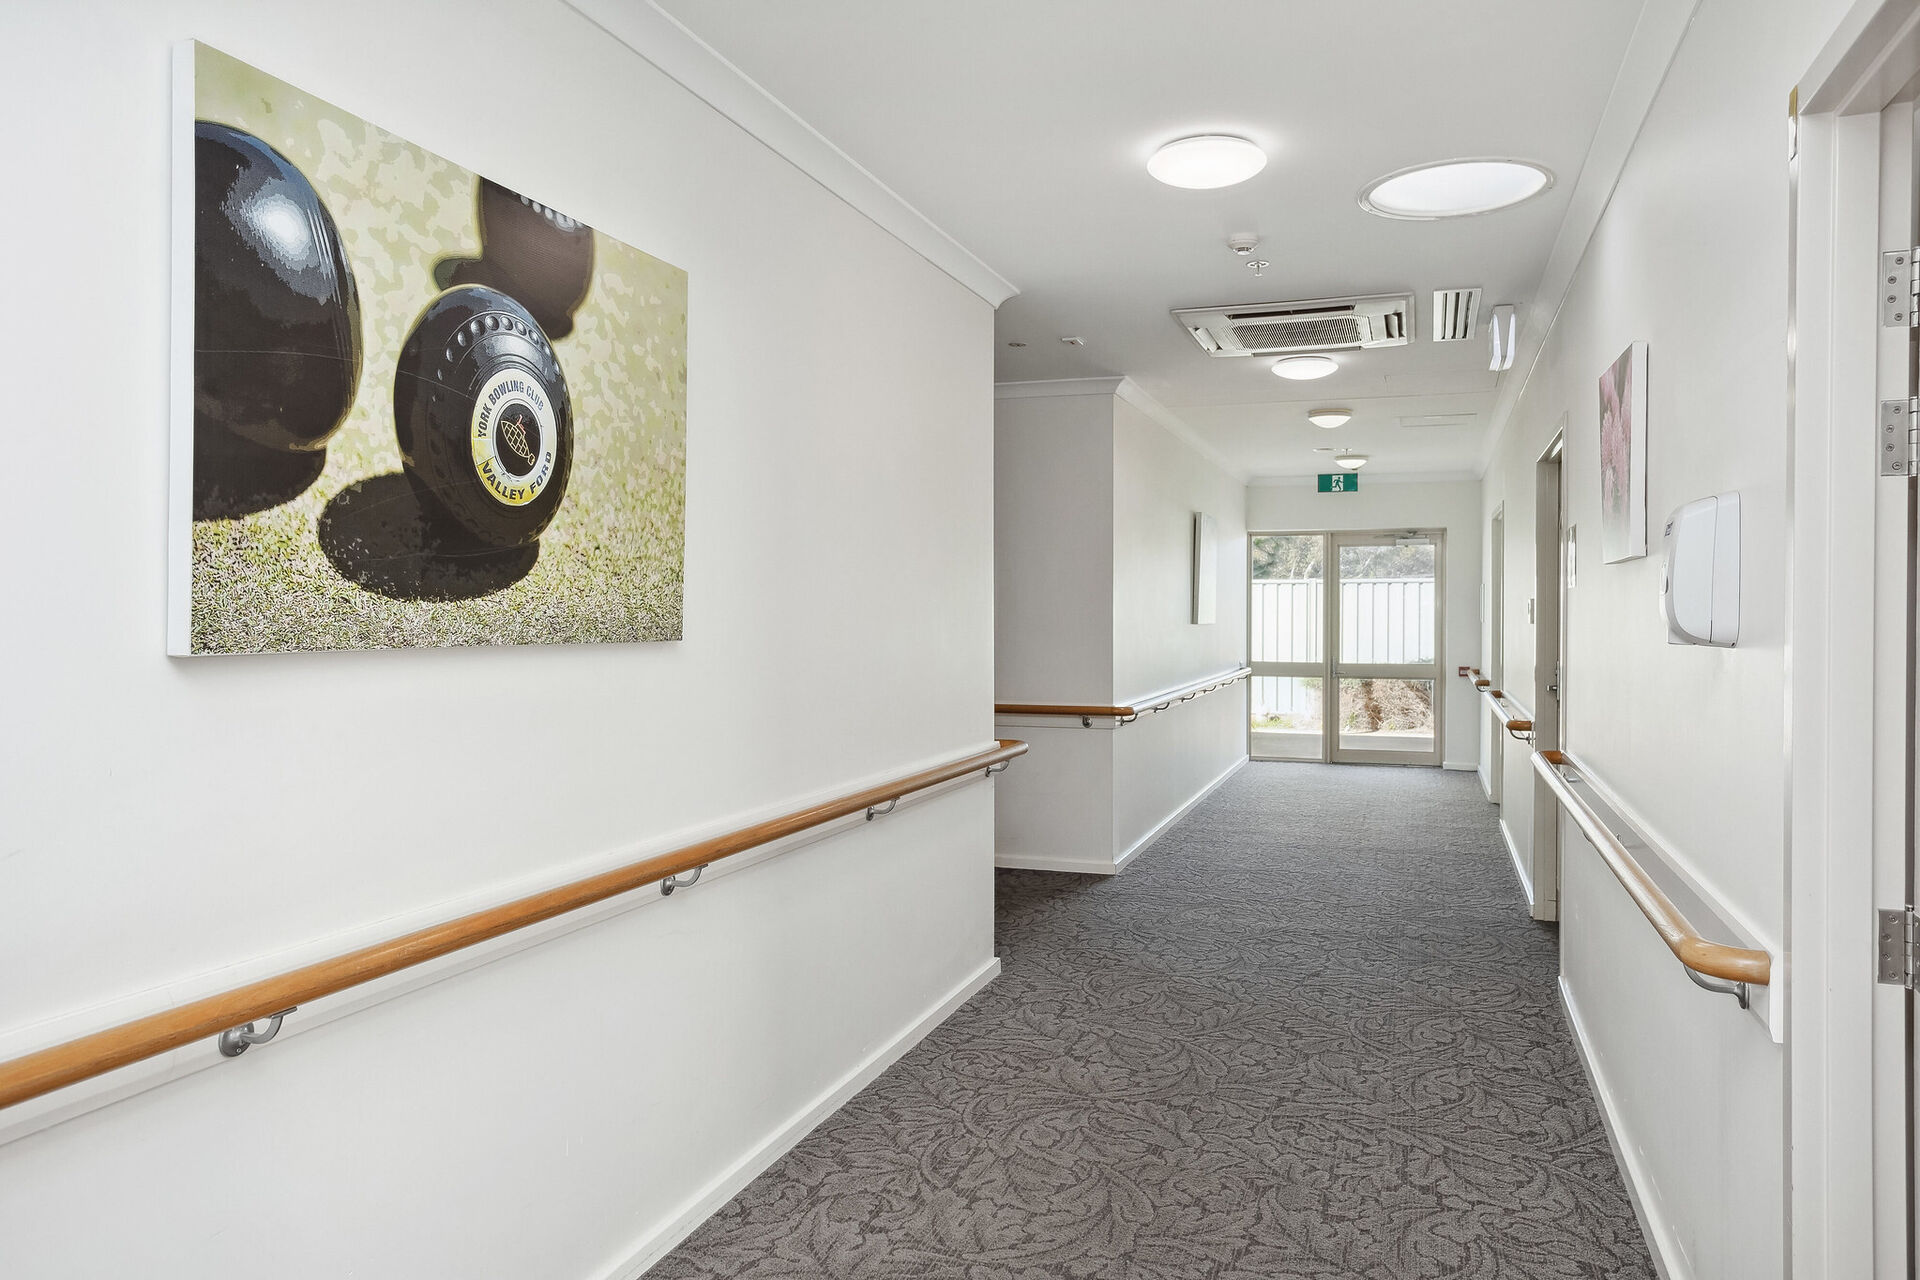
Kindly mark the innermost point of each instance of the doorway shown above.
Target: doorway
(1553, 574)
(1344, 635)
(1492, 725)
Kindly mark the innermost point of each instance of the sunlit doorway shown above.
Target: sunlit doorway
(1344, 641)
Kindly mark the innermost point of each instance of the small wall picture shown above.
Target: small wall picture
(1623, 457)
(1206, 569)
(413, 406)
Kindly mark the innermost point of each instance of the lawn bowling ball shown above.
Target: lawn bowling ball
(483, 416)
(276, 316)
(540, 256)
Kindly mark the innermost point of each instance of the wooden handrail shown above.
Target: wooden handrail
(1713, 959)
(60, 1065)
(1504, 707)
(1139, 707)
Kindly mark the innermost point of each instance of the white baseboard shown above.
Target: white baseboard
(1519, 864)
(1081, 866)
(660, 1241)
(1668, 1259)
(1461, 766)
(1134, 850)
(1040, 862)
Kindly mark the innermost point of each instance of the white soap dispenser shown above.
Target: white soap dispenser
(1700, 592)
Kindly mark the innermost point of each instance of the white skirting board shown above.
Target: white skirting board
(1653, 1225)
(656, 1244)
(1037, 862)
(1519, 864)
(1134, 850)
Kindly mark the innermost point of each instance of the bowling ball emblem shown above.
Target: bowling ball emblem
(484, 421)
(276, 315)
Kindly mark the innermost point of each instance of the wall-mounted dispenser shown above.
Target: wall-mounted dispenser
(1700, 593)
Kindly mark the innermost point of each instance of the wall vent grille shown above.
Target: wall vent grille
(1456, 314)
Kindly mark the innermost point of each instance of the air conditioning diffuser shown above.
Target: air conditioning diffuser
(1456, 314)
(1318, 324)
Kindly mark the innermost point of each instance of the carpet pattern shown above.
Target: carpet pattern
(1311, 1032)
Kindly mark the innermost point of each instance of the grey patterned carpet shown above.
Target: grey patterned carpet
(1311, 1032)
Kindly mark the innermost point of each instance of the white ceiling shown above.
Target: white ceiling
(1022, 128)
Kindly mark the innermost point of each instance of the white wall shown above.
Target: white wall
(1053, 558)
(1691, 257)
(549, 1113)
(1094, 508)
(1162, 761)
(1385, 503)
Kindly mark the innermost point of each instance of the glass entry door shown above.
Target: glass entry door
(1386, 656)
(1343, 639)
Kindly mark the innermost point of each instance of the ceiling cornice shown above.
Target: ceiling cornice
(1134, 394)
(696, 66)
(1057, 387)
(1656, 40)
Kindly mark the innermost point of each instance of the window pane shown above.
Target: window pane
(1287, 717)
(1386, 715)
(1289, 593)
(1386, 603)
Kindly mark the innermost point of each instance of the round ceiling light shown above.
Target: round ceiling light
(1351, 461)
(1329, 418)
(1304, 368)
(1454, 189)
(1210, 160)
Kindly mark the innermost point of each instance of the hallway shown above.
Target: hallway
(1311, 1032)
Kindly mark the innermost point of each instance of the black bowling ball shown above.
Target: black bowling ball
(276, 315)
(481, 409)
(536, 254)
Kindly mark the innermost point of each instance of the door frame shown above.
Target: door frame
(1549, 663)
(1490, 723)
(1330, 640)
(1849, 1186)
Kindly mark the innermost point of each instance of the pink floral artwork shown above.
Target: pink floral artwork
(1623, 462)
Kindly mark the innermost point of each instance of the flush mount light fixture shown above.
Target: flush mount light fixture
(1351, 461)
(1305, 368)
(1329, 418)
(1454, 189)
(1208, 161)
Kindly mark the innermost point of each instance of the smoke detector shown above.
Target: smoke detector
(1243, 243)
(1315, 324)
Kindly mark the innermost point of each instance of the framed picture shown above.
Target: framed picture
(1623, 457)
(1206, 568)
(412, 406)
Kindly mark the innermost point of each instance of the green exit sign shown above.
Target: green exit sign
(1341, 482)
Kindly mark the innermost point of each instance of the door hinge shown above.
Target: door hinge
(1894, 943)
(1899, 288)
(1899, 446)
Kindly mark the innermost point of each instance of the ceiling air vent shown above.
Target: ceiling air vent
(1318, 324)
(1456, 314)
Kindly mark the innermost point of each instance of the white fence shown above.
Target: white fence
(1381, 620)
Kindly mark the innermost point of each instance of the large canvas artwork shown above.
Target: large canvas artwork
(1623, 457)
(412, 406)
